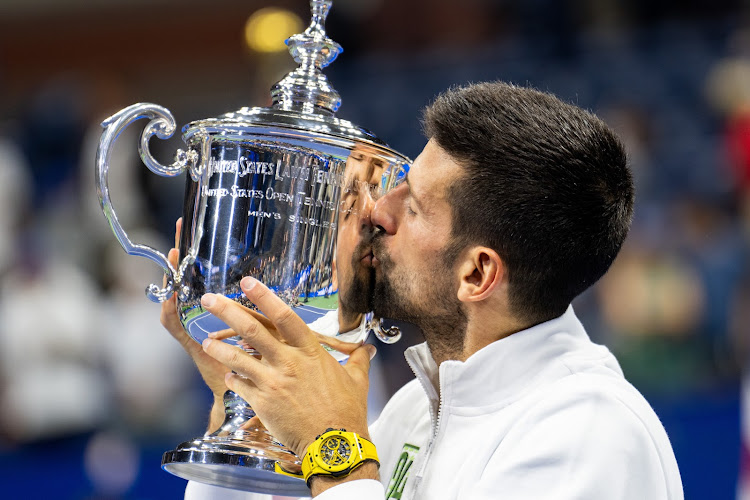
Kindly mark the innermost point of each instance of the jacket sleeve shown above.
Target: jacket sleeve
(361, 489)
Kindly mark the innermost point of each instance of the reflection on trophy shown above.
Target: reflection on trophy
(279, 194)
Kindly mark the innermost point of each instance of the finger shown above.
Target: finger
(358, 365)
(290, 326)
(247, 390)
(267, 324)
(177, 232)
(258, 317)
(334, 343)
(236, 359)
(245, 325)
(229, 334)
(223, 334)
(172, 256)
(169, 318)
(253, 424)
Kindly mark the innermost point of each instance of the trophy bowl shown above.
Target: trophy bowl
(269, 193)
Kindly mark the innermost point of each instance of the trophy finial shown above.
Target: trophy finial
(307, 88)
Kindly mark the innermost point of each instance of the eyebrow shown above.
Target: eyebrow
(411, 193)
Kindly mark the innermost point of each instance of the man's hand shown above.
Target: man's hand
(212, 371)
(296, 388)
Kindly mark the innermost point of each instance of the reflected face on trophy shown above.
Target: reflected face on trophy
(362, 185)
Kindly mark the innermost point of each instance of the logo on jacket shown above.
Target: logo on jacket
(401, 471)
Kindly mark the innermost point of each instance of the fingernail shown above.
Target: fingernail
(208, 299)
(371, 350)
(213, 335)
(248, 283)
(206, 343)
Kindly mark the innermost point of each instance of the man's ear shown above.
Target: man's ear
(481, 271)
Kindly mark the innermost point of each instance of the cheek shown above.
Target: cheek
(422, 261)
(343, 245)
(346, 240)
(430, 232)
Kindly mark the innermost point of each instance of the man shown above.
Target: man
(516, 205)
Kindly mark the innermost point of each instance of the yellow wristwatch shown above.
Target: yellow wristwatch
(337, 453)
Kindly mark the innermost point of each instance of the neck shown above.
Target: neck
(348, 320)
(479, 331)
(441, 352)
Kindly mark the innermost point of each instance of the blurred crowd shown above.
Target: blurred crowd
(82, 352)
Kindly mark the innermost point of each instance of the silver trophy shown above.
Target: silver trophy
(269, 193)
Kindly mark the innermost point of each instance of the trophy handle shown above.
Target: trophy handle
(162, 125)
(385, 335)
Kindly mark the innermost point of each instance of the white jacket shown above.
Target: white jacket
(543, 413)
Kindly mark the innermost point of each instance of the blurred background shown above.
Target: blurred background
(93, 390)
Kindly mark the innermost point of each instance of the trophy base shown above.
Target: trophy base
(245, 460)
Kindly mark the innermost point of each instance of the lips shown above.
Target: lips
(366, 249)
(377, 249)
(367, 257)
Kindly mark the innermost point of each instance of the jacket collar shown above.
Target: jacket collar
(497, 374)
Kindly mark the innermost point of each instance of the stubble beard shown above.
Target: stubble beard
(356, 295)
(427, 300)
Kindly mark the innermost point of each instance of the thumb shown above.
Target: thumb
(358, 363)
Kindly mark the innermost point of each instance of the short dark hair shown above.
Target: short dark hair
(547, 187)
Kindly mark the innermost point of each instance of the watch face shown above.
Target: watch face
(335, 450)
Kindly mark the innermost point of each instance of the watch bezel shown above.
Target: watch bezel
(342, 468)
(362, 451)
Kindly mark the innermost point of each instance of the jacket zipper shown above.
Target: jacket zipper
(435, 420)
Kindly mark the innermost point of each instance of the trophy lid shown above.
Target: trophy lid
(303, 102)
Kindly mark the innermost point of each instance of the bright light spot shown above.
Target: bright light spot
(111, 462)
(266, 29)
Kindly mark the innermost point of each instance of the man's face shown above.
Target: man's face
(353, 245)
(413, 279)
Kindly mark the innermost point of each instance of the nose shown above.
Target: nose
(365, 210)
(385, 214)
